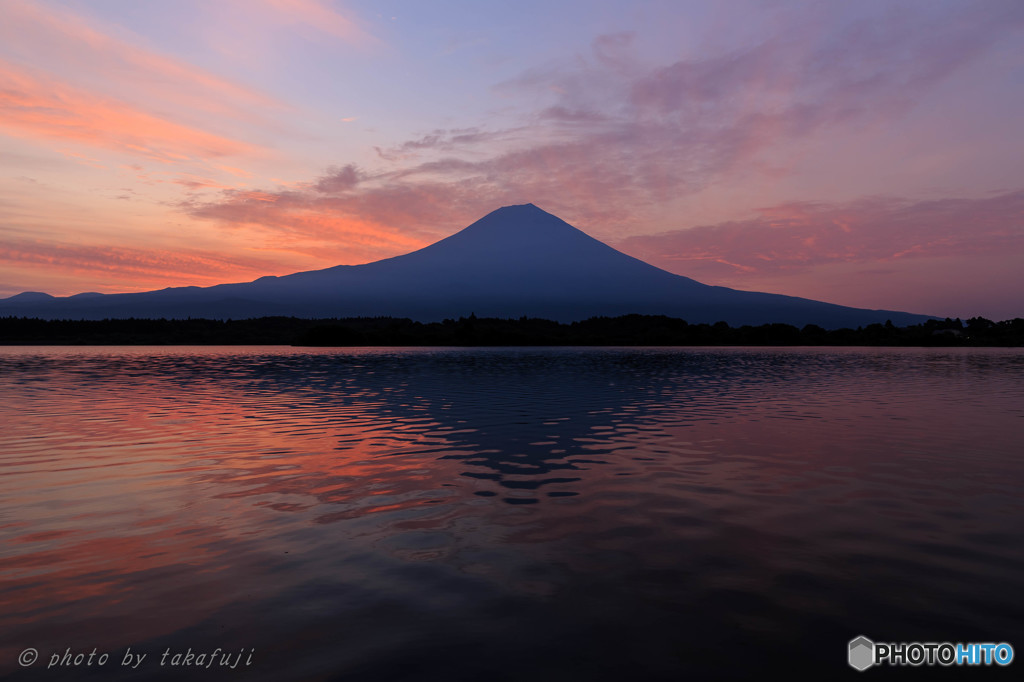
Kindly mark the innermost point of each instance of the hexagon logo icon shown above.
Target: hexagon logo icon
(861, 653)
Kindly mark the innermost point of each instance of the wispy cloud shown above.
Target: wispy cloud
(196, 183)
(804, 235)
(448, 141)
(319, 16)
(672, 130)
(332, 226)
(612, 139)
(46, 108)
(338, 180)
(93, 86)
(135, 266)
(92, 53)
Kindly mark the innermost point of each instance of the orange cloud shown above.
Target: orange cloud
(140, 267)
(45, 108)
(325, 228)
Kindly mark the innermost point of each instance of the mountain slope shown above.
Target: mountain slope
(516, 261)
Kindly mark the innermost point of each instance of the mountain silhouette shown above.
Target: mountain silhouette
(516, 261)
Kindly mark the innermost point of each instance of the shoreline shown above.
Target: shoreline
(472, 332)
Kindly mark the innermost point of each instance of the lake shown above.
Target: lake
(503, 514)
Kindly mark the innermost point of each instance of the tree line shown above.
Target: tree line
(626, 330)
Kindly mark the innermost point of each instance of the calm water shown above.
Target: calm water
(541, 514)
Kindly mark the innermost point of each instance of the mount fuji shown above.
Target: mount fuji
(516, 261)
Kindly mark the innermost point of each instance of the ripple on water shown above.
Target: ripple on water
(378, 513)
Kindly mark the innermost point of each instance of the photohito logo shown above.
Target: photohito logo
(862, 653)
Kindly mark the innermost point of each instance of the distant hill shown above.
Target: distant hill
(518, 261)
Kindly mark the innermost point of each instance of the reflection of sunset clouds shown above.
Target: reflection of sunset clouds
(283, 498)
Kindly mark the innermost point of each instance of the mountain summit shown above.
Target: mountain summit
(516, 261)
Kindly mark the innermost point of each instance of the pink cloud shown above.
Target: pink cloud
(949, 257)
(319, 16)
(91, 52)
(614, 140)
(45, 108)
(873, 230)
(673, 130)
(195, 183)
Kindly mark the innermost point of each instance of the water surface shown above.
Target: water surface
(491, 514)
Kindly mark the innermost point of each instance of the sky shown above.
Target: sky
(863, 153)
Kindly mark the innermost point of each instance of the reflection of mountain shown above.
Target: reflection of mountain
(528, 423)
(517, 261)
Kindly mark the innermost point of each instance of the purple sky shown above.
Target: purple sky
(863, 153)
